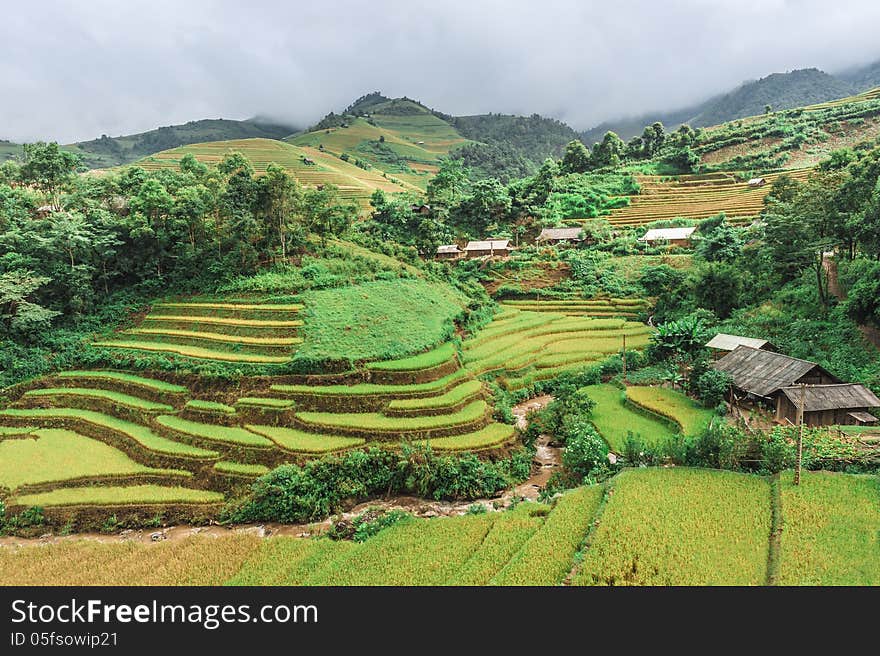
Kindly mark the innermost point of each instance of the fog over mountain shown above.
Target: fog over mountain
(74, 70)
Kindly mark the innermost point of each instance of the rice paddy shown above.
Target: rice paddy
(524, 346)
(695, 197)
(675, 406)
(616, 420)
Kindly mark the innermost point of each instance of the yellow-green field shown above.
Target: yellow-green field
(354, 183)
(524, 346)
(674, 526)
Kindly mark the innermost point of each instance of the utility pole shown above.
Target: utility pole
(800, 440)
(624, 358)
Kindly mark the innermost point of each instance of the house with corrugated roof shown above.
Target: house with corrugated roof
(845, 404)
(668, 236)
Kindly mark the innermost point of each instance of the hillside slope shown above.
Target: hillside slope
(310, 166)
(779, 90)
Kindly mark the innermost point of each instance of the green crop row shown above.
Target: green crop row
(378, 422)
(548, 556)
(140, 434)
(60, 455)
(193, 351)
(243, 469)
(428, 360)
(671, 404)
(117, 496)
(217, 337)
(614, 419)
(369, 389)
(288, 561)
(227, 321)
(831, 527)
(265, 402)
(681, 527)
(454, 396)
(409, 553)
(210, 406)
(152, 383)
(213, 432)
(290, 307)
(491, 435)
(299, 441)
(108, 395)
(506, 537)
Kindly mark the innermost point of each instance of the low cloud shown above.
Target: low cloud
(74, 70)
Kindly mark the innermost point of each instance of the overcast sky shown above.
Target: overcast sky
(72, 70)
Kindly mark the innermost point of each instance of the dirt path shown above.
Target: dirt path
(547, 459)
(829, 263)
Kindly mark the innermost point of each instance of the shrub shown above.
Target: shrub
(586, 453)
(711, 387)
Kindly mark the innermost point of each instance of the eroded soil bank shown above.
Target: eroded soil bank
(547, 459)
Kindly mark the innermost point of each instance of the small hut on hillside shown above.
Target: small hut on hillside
(846, 404)
(561, 236)
(448, 252)
(668, 236)
(757, 182)
(490, 247)
(723, 343)
(761, 374)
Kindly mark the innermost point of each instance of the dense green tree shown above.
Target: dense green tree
(609, 152)
(47, 167)
(576, 158)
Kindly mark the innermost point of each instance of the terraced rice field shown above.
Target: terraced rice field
(521, 347)
(659, 526)
(120, 429)
(672, 405)
(249, 333)
(615, 419)
(629, 308)
(831, 530)
(681, 527)
(696, 197)
(354, 183)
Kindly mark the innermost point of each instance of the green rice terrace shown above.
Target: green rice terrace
(171, 442)
(723, 525)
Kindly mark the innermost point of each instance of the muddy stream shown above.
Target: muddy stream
(546, 460)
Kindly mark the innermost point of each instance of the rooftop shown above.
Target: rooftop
(763, 373)
(725, 342)
(832, 397)
(667, 234)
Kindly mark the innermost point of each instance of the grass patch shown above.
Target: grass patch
(107, 395)
(140, 434)
(231, 434)
(681, 527)
(378, 320)
(831, 533)
(152, 383)
(292, 439)
(60, 455)
(118, 496)
(614, 419)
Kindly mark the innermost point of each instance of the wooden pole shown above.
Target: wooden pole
(800, 440)
(624, 359)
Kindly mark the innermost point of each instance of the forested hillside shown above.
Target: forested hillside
(777, 91)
